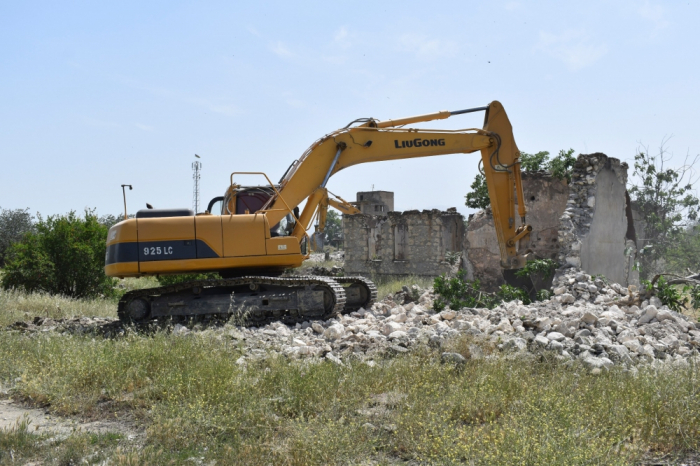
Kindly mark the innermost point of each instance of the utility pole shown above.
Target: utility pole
(196, 167)
(124, 193)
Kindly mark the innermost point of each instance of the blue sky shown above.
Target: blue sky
(96, 94)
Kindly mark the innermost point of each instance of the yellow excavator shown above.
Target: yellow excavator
(252, 234)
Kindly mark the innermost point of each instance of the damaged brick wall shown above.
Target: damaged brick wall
(402, 243)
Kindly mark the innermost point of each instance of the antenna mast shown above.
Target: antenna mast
(196, 168)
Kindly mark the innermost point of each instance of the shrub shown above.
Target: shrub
(13, 225)
(63, 255)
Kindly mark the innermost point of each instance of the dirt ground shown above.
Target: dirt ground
(41, 422)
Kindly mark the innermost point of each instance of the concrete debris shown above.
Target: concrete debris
(587, 321)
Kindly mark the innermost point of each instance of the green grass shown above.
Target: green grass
(18, 305)
(387, 285)
(19, 445)
(195, 401)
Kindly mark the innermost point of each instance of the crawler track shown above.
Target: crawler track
(359, 291)
(254, 300)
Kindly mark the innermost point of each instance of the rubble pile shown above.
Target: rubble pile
(588, 319)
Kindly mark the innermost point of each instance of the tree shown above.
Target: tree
(478, 198)
(665, 199)
(63, 255)
(13, 225)
(110, 220)
(334, 226)
(560, 167)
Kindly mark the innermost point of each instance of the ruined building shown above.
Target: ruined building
(375, 202)
(588, 223)
(403, 243)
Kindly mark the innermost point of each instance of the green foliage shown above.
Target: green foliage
(560, 167)
(110, 220)
(478, 197)
(13, 225)
(334, 226)
(695, 296)
(534, 162)
(670, 295)
(684, 252)
(544, 295)
(167, 280)
(64, 255)
(665, 199)
(543, 267)
(507, 293)
(458, 292)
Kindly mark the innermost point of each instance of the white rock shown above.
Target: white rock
(656, 302)
(633, 345)
(318, 328)
(626, 335)
(649, 313)
(448, 314)
(589, 318)
(441, 326)
(333, 358)
(556, 346)
(559, 291)
(567, 298)
(664, 314)
(298, 342)
(392, 327)
(306, 350)
(504, 326)
(541, 341)
(461, 325)
(334, 332)
(613, 312)
(180, 330)
(515, 344)
(283, 331)
(397, 335)
(597, 363)
(555, 336)
(401, 317)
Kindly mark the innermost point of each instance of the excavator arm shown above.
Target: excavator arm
(375, 141)
(338, 203)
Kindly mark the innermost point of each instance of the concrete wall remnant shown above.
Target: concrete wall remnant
(546, 198)
(402, 243)
(588, 224)
(594, 232)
